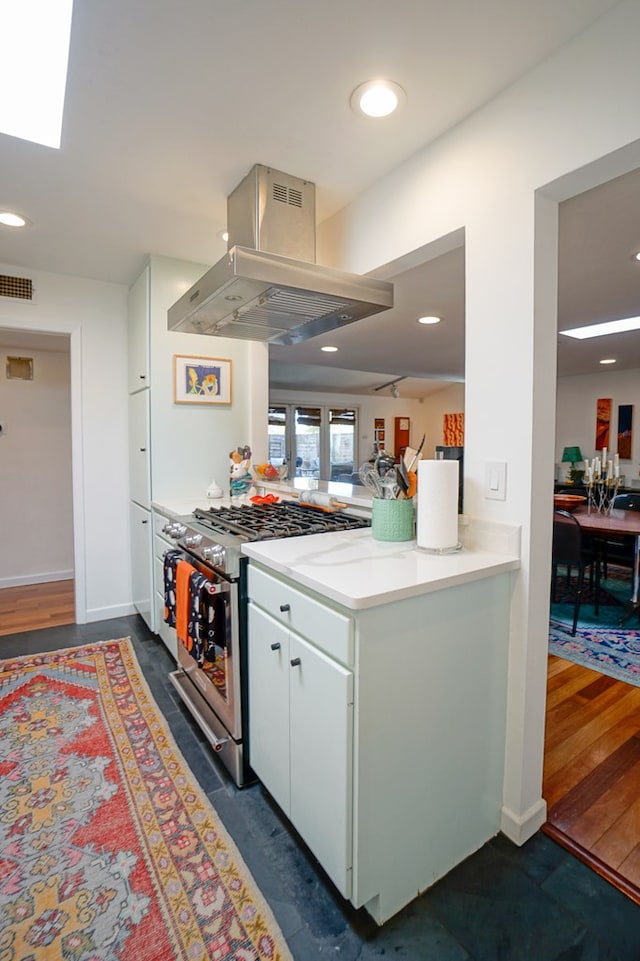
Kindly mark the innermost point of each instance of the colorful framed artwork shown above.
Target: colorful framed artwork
(201, 380)
(453, 430)
(603, 422)
(625, 430)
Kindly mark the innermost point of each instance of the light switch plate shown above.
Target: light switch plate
(495, 480)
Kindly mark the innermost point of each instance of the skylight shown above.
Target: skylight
(33, 69)
(600, 330)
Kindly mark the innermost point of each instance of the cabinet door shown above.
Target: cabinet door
(139, 454)
(321, 739)
(138, 310)
(269, 704)
(141, 562)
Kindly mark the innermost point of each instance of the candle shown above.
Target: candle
(616, 460)
(604, 455)
(610, 469)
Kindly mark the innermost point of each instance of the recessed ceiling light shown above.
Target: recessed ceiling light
(600, 330)
(609, 360)
(636, 256)
(223, 235)
(377, 98)
(429, 320)
(329, 350)
(11, 219)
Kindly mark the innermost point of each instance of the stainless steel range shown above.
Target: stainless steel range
(205, 597)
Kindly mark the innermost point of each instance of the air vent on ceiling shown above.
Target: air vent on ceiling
(287, 195)
(18, 288)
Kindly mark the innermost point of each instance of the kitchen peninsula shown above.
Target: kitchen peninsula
(377, 688)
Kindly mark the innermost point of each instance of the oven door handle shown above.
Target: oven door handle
(217, 743)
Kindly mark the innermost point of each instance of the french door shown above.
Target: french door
(315, 441)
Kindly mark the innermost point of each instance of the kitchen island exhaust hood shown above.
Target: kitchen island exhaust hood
(268, 287)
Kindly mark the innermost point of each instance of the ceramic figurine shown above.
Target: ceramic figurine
(240, 481)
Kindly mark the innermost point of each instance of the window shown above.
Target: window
(318, 442)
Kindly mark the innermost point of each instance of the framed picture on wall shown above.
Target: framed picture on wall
(201, 380)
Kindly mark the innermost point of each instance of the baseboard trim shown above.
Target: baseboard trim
(26, 579)
(604, 870)
(106, 613)
(520, 829)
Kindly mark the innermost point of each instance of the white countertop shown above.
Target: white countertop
(184, 507)
(351, 494)
(357, 571)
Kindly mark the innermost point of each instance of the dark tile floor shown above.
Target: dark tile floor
(534, 903)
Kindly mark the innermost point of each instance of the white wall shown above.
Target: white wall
(35, 469)
(576, 415)
(499, 175)
(190, 443)
(95, 316)
(426, 416)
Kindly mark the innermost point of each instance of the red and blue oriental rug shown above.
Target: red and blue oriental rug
(108, 847)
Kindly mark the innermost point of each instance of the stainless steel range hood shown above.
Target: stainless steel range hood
(268, 286)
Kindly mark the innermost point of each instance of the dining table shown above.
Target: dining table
(615, 521)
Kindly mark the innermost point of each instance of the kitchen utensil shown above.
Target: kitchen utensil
(319, 499)
(370, 478)
(389, 486)
(403, 479)
(264, 499)
(384, 463)
(413, 483)
(321, 507)
(417, 454)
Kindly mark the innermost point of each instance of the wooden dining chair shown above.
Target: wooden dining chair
(619, 548)
(570, 550)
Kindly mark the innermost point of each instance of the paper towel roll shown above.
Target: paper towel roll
(437, 512)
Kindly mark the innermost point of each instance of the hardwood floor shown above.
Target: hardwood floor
(592, 770)
(33, 606)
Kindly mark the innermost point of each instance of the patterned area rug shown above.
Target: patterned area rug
(600, 643)
(108, 847)
(607, 650)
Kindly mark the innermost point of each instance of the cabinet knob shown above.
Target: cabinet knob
(285, 607)
(143, 376)
(275, 646)
(145, 522)
(295, 662)
(142, 450)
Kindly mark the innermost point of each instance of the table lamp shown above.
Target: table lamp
(573, 456)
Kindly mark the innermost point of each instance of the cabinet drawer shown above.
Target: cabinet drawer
(168, 634)
(161, 546)
(329, 630)
(158, 574)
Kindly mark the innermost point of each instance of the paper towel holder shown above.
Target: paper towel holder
(441, 550)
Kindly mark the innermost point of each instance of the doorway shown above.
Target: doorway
(37, 569)
(592, 720)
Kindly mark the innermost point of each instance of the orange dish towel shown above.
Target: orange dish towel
(183, 573)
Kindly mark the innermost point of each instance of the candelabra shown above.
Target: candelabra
(601, 492)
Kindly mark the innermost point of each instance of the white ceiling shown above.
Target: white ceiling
(170, 104)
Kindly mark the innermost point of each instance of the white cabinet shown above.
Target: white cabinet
(139, 452)
(141, 534)
(161, 544)
(385, 744)
(139, 335)
(301, 731)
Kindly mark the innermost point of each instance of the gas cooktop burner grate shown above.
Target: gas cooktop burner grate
(258, 522)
